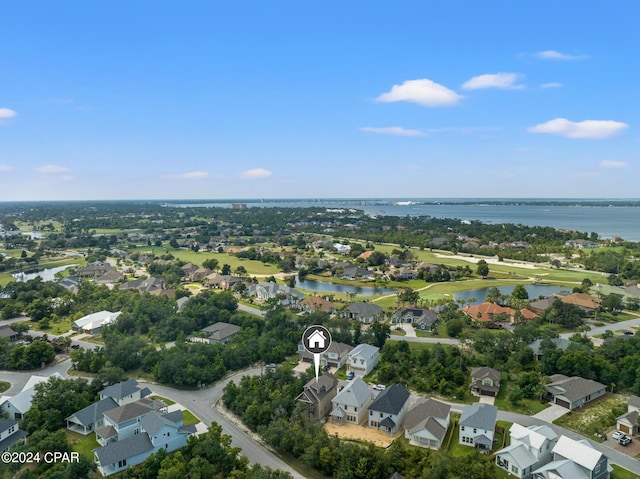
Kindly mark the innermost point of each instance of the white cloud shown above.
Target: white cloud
(51, 169)
(556, 55)
(7, 113)
(392, 130)
(493, 80)
(553, 84)
(5, 168)
(613, 164)
(580, 129)
(255, 173)
(424, 92)
(193, 175)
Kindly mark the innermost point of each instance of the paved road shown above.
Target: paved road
(251, 310)
(202, 402)
(622, 325)
(19, 379)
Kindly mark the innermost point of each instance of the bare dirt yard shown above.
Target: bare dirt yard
(361, 433)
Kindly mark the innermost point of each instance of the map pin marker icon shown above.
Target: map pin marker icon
(316, 340)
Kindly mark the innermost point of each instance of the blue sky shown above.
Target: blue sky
(248, 99)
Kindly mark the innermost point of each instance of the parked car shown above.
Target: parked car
(624, 440)
(618, 435)
(628, 333)
(350, 375)
(379, 387)
(75, 346)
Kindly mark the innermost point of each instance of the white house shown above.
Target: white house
(18, 405)
(574, 460)
(477, 426)
(93, 323)
(628, 422)
(427, 423)
(530, 448)
(125, 392)
(10, 433)
(351, 403)
(363, 359)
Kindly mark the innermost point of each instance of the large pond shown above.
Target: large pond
(534, 290)
(325, 287)
(47, 274)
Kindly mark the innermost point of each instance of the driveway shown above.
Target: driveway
(487, 400)
(552, 413)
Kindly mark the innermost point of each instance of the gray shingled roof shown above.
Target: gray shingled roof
(479, 415)
(93, 412)
(573, 388)
(364, 309)
(424, 409)
(119, 450)
(154, 422)
(14, 437)
(121, 390)
(634, 401)
(391, 400)
(221, 331)
(484, 371)
(128, 411)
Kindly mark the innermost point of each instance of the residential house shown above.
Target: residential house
(101, 273)
(427, 423)
(581, 244)
(351, 403)
(423, 319)
(336, 356)
(10, 434)
(477, 426)
(363, 359)
(90, 418)
(629, 422)
(218, 333)
(15, 407)
(530, 448)
(150, 433)
(316, 303)
(574, 460)
(363, 312)
(319, 394)
(93, 323)
(6, 331)
(485, 381)
(573, 392)
(389, 408)
(353, 273)
(558, 343)
(403, 274)
(489, 312)
(122, 422)
(181, 303)
(586, 302)
(71, 284)
(125, 392)
(342, 248)
(222, 281)
(266, 291)
(145, 285)
(541, 305)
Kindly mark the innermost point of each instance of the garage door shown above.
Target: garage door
(562, 403)
(625, 429)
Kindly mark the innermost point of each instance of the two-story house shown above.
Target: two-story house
(530, 448)
(336, 356)
(125, 392)
(124, 421)
(574, 460)
(485, 381)
(10, 433)
(363, 359)
(318, 395)
(427, 423)
(153, 431)
(389, 408)
(351, 403)
(477, 426)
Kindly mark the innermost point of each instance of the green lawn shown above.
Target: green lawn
(620, 473)
(82, 444)
(6, 278)
(56, 328)
(189, 418)
(168, 402)
(4, 386)
(526, 406)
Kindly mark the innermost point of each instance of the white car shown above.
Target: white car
(618, 435)
(379, 387)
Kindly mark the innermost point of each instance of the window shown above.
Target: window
(370, 413)
(475, 430)
(122, 463)
(514, 469)
(136, 430)
(380, 414)
(597, 469)
(355, 409)
(462, 428)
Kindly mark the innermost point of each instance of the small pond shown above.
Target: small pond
(47, 274)
(325, 287)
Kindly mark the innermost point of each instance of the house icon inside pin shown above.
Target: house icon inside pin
(317, 339)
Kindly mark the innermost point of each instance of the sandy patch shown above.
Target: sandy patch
(361, 433)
